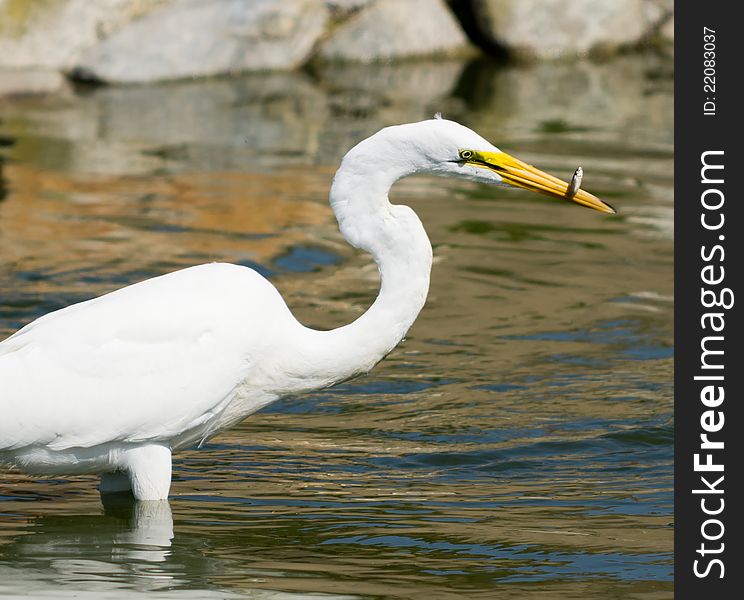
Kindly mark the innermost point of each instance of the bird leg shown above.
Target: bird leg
(148, 469)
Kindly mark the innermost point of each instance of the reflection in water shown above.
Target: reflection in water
(150, 531)
(126, 551)
(126, 543)
(518, 442)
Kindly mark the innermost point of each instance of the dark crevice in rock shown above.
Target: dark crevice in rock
(466, 15)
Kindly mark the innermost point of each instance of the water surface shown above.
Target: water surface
(518, 443)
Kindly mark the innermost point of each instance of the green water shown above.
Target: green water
(517, 444)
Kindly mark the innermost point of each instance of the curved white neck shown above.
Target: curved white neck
(396, 239)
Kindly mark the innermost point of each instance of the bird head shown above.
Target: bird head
(448, 148)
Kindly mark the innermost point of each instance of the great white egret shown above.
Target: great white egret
(113, 385)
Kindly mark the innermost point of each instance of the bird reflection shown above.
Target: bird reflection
(129, 544)
(149, 528)
(126, 552)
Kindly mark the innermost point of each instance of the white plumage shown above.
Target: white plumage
(115, 384)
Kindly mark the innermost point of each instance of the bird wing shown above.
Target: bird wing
(146, 362)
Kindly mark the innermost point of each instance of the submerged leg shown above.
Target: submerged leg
(148, 469)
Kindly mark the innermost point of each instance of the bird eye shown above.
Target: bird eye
(466, 154)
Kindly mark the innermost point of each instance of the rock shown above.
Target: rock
(53, 35)
(196, 38)
(17, 82)
(551, 29)
(146, 40)
(390, 29)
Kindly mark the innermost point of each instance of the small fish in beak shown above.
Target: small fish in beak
(575, 184)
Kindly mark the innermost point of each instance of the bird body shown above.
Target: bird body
(167, 346)
(113, 385)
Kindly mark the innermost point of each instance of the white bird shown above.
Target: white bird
(115, 384)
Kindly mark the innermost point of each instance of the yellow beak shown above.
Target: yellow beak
(518, 173)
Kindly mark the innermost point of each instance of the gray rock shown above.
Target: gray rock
(53, 35)
(195, 38)
(553, 28)
(390, 29)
